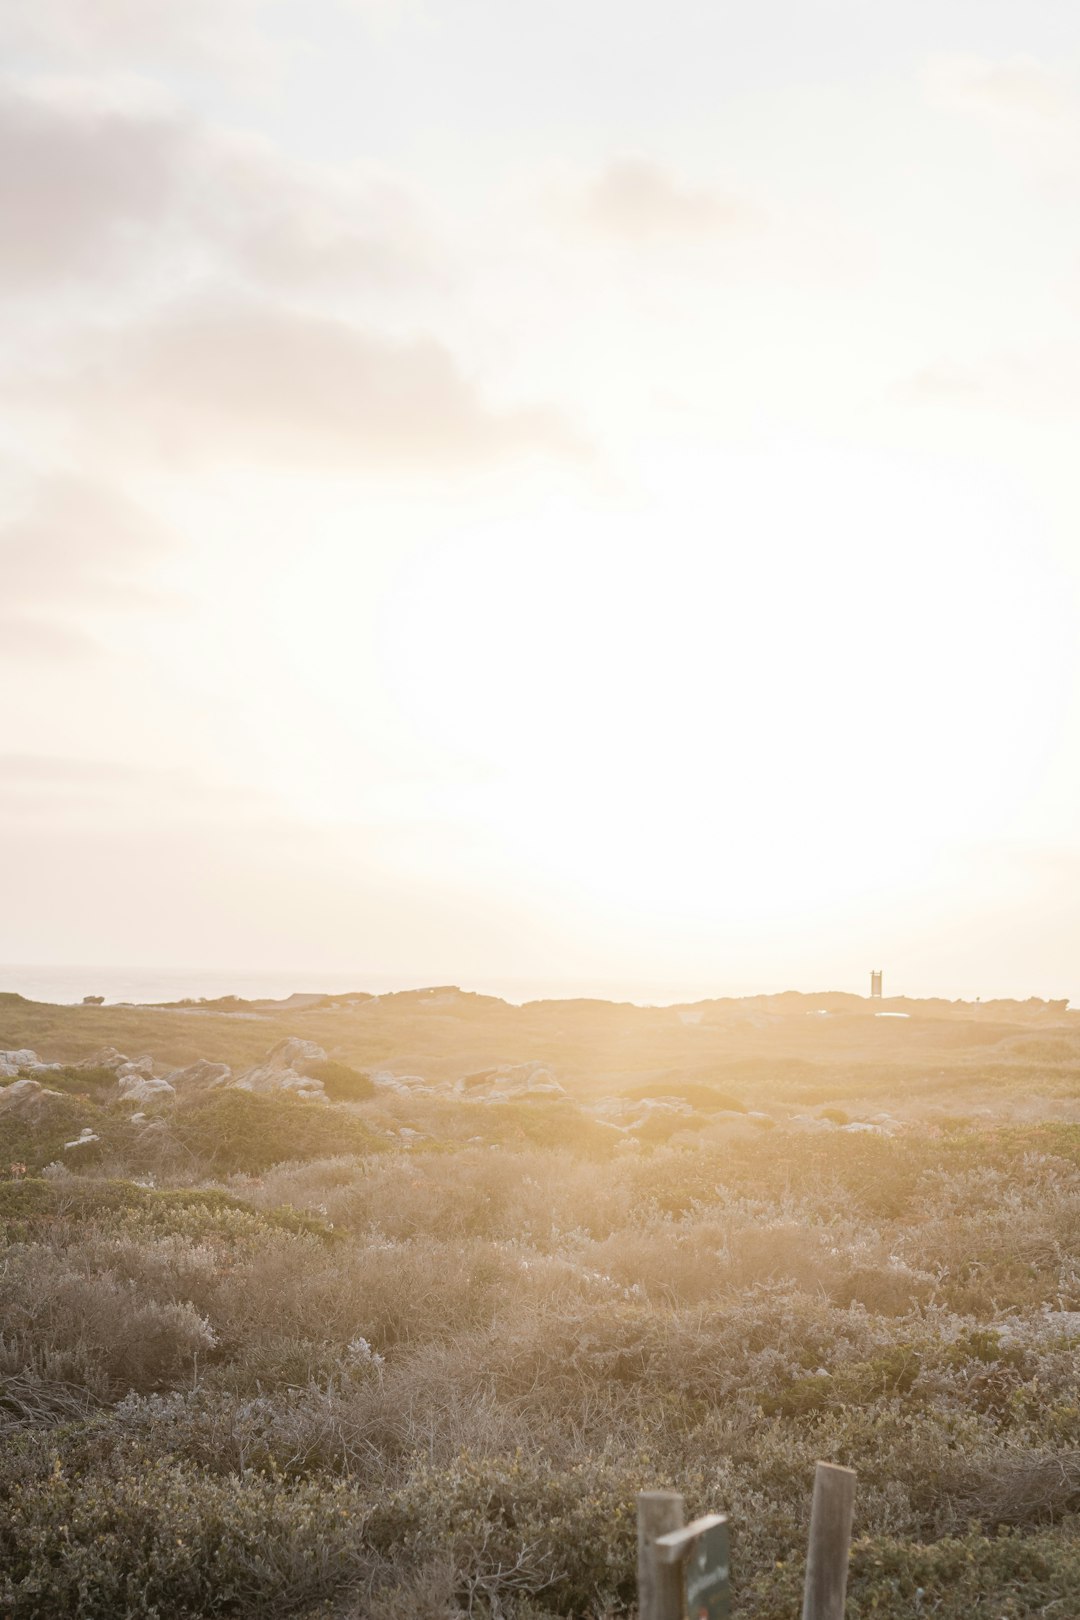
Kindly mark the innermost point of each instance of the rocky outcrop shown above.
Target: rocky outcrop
(28, 1101)
(144, 1088)
(11, 1062)
(512, 1080)
(285, 1069)
(200, 1076)
(631, 1113)
(107, 1057)
(402, 1084)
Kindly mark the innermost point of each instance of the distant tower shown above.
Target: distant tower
(875, 984)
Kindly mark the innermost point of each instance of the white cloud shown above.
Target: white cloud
(1015, 88)
(634, 200)
(96, 179)
(1042, 385)
(229, 34)
(80, 182)
(73, 539)
(257, 382)
(298, 226)
(85, 790)
(70, 549)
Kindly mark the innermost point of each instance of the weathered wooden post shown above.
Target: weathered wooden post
(702, 1556)
(830, 1542)
(659, 1585)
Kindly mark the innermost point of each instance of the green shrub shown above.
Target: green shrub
(241, 1131)
(32, 1206)
(151, 1539)
(38, 1139)
(341, 1083)
(519, 1528)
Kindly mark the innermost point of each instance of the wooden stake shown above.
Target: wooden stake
(830, 1542)
(659, 1585)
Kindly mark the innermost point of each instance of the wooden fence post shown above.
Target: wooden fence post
(659, 1585)
(830, 1541)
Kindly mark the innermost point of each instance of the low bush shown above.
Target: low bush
(341, 1083)
(151, 1538)
(438, 1376)
(231, 1130)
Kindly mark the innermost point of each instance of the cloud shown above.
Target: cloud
(70, 549)
(79, 181)
(1019, 87)
(229, 34)
(61, 787)
(1042, 385)
(295, 226)
(96, 178)
(634, 200)
(257, 382)
(73, 540)
(29, 640)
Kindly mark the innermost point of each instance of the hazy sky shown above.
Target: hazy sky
(571, 493)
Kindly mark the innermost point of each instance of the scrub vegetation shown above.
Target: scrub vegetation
(259, 1357)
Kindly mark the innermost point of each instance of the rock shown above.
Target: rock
(512, 1080)
(293, 1053)
(28, 1101)
(20, 1058)
(107, 1058)
(401, 1083)
(200, 1076)
(863, 1127)
(144, 1088)
(136, 1069)
(283, 1070)
(86, 1138)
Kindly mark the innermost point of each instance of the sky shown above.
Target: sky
(569, 495)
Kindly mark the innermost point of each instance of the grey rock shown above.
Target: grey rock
(18, 1058)
(28, 1101)
(106, 1058)
(200, 1076)
(293, 1053)
(86, 1138)
(283, 1069)
(144, 1088)
(136, 1069)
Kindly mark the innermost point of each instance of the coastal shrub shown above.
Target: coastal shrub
(342, 1083)
(478, 1355)
(151, 1538)
(234, 1130)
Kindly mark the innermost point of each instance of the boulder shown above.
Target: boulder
(401, 1083)
(294, 1053)
(136, 1069)
(28, 1101)
(200, 1076)
(86, 1138)
(106, 1058)
(144, 1088)
(283, 1069)
(512, 1080)
(21, 1058)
